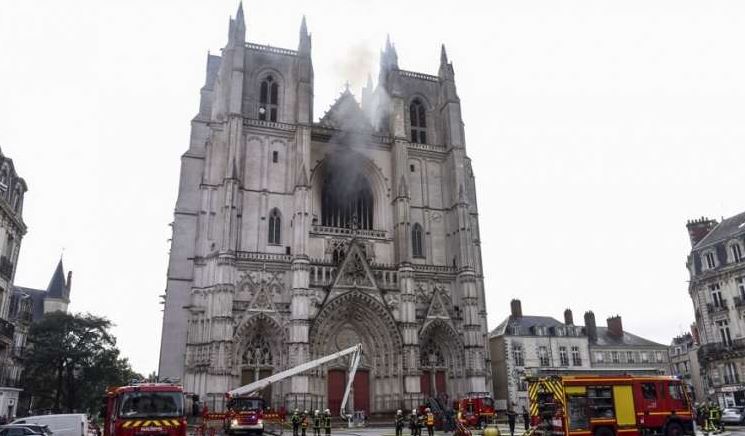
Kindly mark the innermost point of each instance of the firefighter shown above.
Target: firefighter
(511, 416)
(526, 418)
(399, 423)
(304, 422)
(317, 424)
(327, 421)
(295, 420)
(430, 422)
(715, 418)
(413, 423)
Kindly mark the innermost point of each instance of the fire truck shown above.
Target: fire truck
(246, 411)
(476, 410)
(609, 405)
(155, 409)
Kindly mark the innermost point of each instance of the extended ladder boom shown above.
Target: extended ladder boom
(258, 385)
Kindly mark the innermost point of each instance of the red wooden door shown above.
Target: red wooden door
(336, 382)
(425, 383)
(440, 383)
(361, 387)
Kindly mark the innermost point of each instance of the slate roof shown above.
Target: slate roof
(525, 323)
(57, 287)
(37, 301)
(728, 228)
(605, 339)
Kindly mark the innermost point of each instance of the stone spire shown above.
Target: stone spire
(446, 67)
(388, 60)
(237, 28)
(304, 45)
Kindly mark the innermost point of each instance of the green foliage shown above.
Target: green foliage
(70, 361)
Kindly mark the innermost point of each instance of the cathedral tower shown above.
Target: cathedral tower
(295, 238)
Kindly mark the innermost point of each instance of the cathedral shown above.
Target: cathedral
(296, 237)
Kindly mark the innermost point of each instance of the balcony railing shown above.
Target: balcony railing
(719, 349)
(6, 331)
(343, 231)
(6, 268)
(9, 376)
(720, 307)
(739, 301)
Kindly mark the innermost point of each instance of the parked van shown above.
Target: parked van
(70, 424)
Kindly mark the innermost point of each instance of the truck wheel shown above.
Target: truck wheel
(674, 429)
(604, 431)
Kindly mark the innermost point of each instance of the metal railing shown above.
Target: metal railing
(739, 301)
(6, 330)
(719, 307)
(718, 348)
(8, 376)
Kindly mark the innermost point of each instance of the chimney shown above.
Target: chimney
(699, 228)
(615, 327)
(590, 327)
(568, 318)
(516, 308)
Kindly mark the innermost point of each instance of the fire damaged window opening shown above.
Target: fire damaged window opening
(275, 227)
(347, 203)
(268, 99)
(418, 119)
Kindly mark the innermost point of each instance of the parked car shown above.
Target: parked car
(20, 430)
(734, 415)
(70, 424)
(40, 429)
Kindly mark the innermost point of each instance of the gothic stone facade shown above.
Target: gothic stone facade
(296, 238)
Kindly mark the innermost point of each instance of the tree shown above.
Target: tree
(71, 359)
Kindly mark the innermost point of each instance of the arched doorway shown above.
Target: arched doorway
(442, 362)
(351, 318)
(260, 352)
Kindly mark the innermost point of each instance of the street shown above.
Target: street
(503, 430)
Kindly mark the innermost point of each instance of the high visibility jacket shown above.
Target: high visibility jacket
(295, 419)
(305, 421)
(317, 421)
(327, 421)
(430, 419)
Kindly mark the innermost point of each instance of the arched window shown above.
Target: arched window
(347, 201)
(416, 241)
(275, 227)
(268, 99)
(418, 121)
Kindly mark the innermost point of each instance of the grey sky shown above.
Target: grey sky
(596, 129)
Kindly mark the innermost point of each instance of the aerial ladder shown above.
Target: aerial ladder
(254, 388)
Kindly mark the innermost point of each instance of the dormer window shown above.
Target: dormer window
(736, 252)
(709, 260)
(268, 99)
(418, 120)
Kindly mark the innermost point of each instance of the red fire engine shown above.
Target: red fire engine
(609, 405)
(476, 410)
(152, 408)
